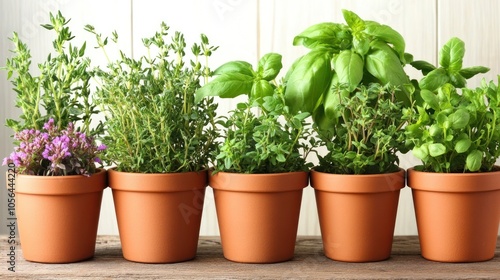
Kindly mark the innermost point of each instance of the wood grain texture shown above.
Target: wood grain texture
(308, 263)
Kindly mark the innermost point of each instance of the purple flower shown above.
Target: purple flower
(54, 152)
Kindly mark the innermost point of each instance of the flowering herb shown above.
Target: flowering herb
(54, 152)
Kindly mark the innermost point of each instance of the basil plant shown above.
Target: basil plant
(455, 128)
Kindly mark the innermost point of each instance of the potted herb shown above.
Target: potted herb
(260, 168)
(455, 132)
(353, 83)
(56, 178)
(160, 141)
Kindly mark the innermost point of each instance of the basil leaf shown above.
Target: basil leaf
(319, 34)
(423, 66)
(434, 79)
(430, 98)
(436, 149)
(463, 145)
(474, 159)
(269, 66)
(227, 85)
(242, 67)
(388, 35)
(308, 80)
(459, 119)
(452, 54)
(260, 89)
(470, 72)
(354, 21)
(349, 68)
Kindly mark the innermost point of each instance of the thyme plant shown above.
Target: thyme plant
(61, 91)
(153, 124)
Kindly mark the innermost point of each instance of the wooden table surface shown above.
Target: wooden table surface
(309, 263)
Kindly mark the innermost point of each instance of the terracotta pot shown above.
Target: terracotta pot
(58, 216)
(357, 214)
(457, 214)
(258, 214)
(158, 215)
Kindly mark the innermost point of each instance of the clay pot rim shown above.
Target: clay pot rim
(466, 182)
(61, 185)
(358, 183)
(259, 183)
(158, 182)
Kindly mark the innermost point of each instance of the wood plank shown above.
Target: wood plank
(309, 263)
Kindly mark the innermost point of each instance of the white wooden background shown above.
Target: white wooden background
(245, 30)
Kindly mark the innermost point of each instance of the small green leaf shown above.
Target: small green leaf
(430, 99)
(421, 152)
(474, 159)
(260, 89)
(452, 54)
(388, 35)
(434, 79)
(354, 21)
(227, 85)
(459, 119)
(269, 66)
(470, 72)
(423, 66)
(349, 68)
(436, 149)
(463, 145)
(241, 67)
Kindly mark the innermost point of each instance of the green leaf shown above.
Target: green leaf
(421, 152)
(434, 79)
(384, 64)
(388, 35)
(423, 66)
(269, 66)
(307, 80)
(241, 67)
(260, 89)
(430, 99)
(318, 34)
(459, 119)
(470, 72)
(349, 68)
(436, 149)
(451, 55)
(354, 21)
(462, 145)
(227, 85)
(473, 161)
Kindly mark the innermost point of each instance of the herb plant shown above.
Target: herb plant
(55, 152)
(455, 128)
(152, 121)
(369, 134)
(61, 90)
(359, 53)
(271, 140)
